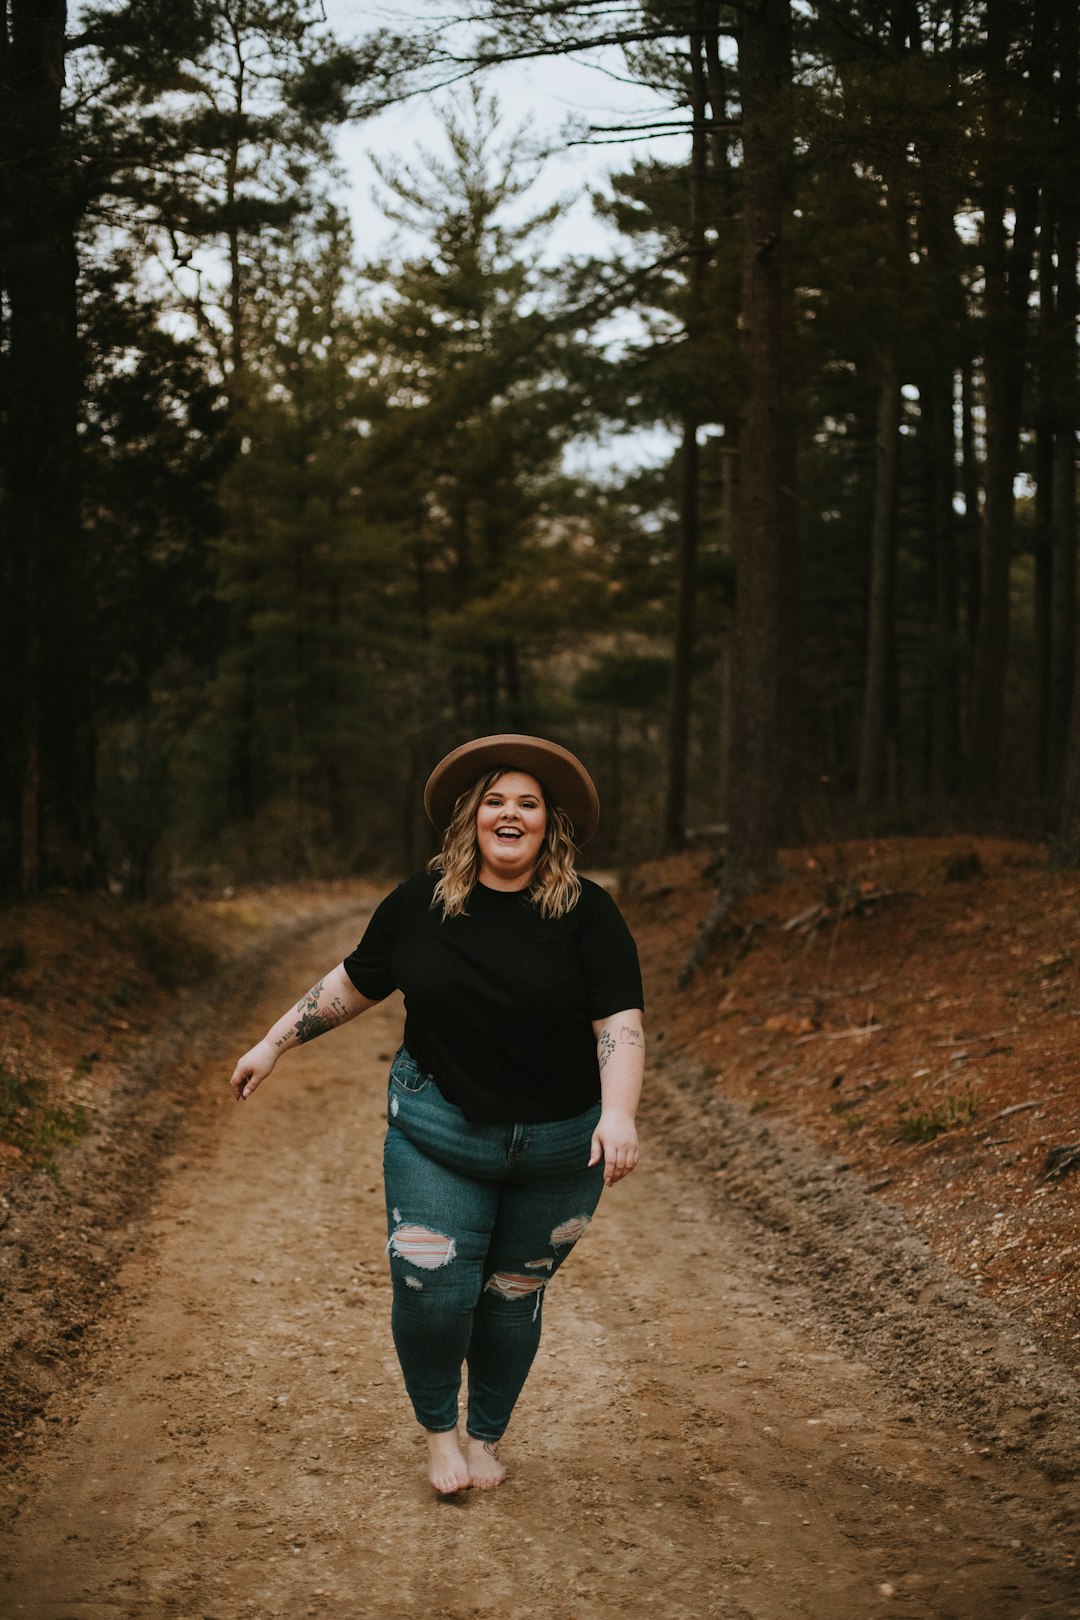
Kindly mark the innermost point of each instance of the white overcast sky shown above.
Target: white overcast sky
(543, 93)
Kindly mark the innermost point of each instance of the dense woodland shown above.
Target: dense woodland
(280, 524)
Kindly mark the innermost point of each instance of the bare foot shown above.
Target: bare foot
(485, 1469)
(447, 1469)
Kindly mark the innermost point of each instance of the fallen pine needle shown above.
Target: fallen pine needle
(838, 1034)
(1014, 1108)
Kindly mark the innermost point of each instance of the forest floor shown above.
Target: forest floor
(816, 1360)
(914, 1004)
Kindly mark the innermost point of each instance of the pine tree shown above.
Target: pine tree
(474, 346)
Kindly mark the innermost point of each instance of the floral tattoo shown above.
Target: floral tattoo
(314, 1020)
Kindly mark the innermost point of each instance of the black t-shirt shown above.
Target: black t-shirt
(500, 1001)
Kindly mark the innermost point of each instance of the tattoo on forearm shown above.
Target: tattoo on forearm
(629, 1035)
(315, 1020)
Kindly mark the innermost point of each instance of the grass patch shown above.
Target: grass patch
(949, 1115)
(35, 1130)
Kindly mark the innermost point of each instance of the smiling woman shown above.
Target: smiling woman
(512, 1099)
(510, 824)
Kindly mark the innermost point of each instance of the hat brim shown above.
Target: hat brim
(562, 775)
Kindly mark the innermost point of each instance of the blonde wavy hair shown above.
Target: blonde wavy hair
(555, 888)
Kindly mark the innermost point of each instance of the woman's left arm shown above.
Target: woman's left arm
(620, 1052)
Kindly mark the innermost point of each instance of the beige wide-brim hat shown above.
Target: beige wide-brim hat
(561, 773)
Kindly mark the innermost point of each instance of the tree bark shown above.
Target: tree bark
(1066, 847)
(764, 542)
(938, 390)
(1066, 399)
(38, 272)
(945, 717)
(682, 673)
(969, 482)
(1007, 274)
(762, 650)
(1043, 608)
(880, 652)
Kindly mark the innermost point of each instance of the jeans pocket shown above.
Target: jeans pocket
(405, 1074)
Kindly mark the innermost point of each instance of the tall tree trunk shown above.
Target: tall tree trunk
(938, 404)
(1066, 396)
(682, 672)
(880, 652)
(690, 465)
(1007, 274)
(729, 458)
(1044, 492)
(764, 536)
(970, 473)
(761, 643)
(38, 271)
(945, 717)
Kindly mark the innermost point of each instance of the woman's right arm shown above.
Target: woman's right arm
(333, 1001)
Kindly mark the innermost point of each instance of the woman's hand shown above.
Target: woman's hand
(333, 1001)
(252, 1070)
(614, 1140)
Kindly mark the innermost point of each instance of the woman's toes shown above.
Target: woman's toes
(485, 1469)
(447, 1468)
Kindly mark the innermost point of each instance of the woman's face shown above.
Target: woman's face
(510, 825)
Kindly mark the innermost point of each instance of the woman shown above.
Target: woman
(512, 1101)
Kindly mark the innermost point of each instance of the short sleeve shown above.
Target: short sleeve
(609, 958)
(369, 965)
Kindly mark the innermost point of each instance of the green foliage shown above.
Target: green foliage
(471, 347)
(684, 354)
(325, 524)
(949, 1115)
(36, 1131)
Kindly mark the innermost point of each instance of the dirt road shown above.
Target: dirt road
(698, 1438)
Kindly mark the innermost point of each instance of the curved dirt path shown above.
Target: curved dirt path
(691, 1444)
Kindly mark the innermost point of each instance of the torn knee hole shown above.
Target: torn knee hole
(539, 1265)
(509, 1285)
(422, 1248)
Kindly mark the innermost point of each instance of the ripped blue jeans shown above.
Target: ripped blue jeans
(480, 1217)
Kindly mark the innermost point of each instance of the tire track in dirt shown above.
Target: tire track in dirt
(690, 1445)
